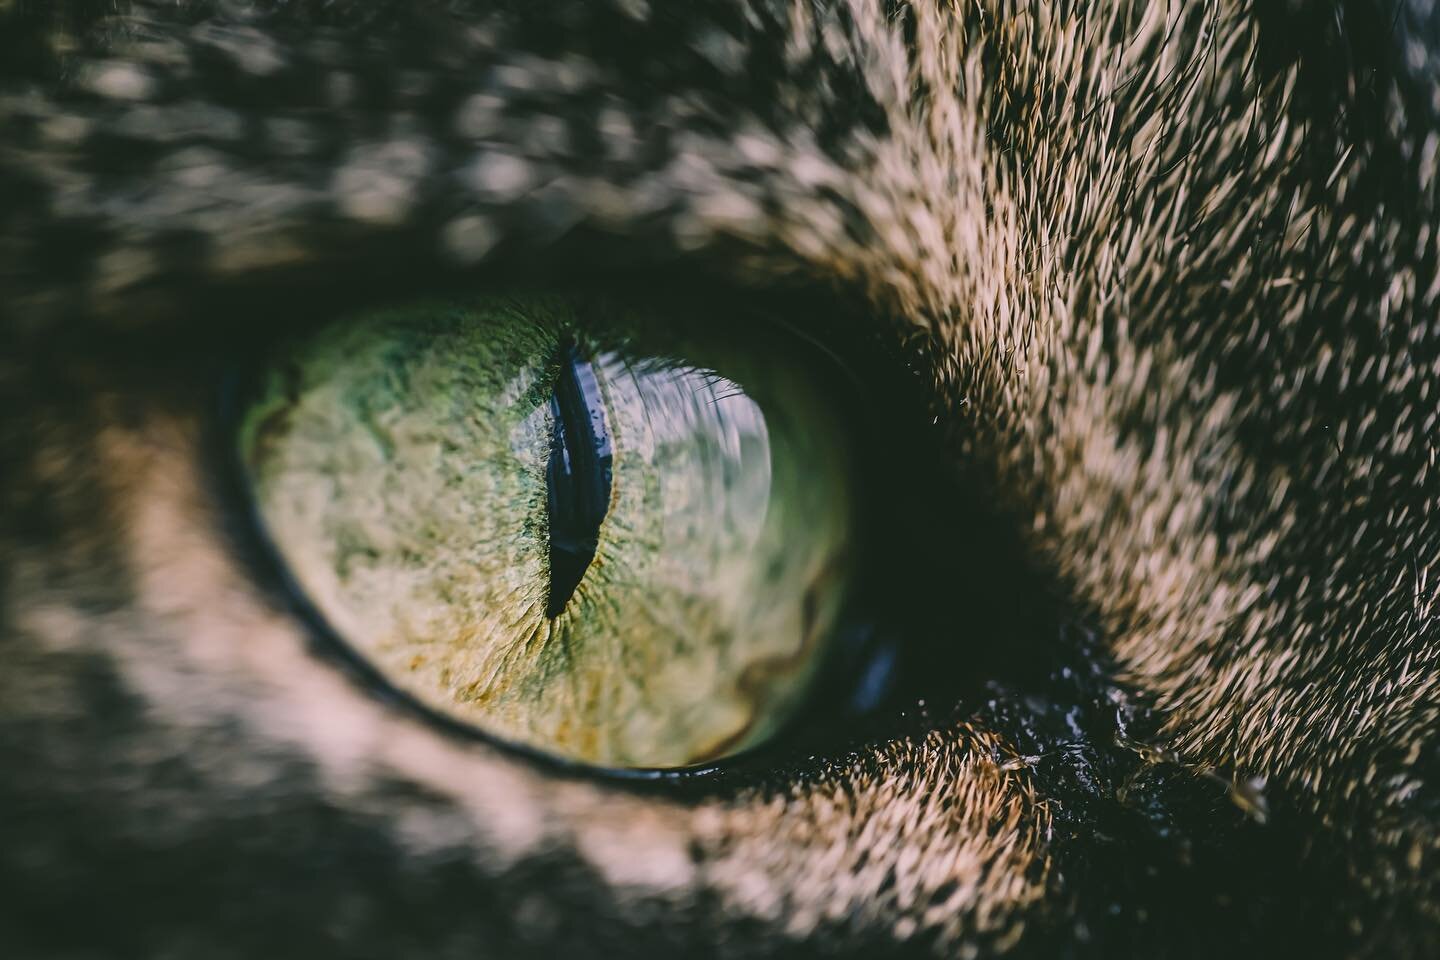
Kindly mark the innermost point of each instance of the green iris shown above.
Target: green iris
(574, 529)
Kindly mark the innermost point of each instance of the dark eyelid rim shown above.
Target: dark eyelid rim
(866, 644)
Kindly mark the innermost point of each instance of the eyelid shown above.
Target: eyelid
(182, 193)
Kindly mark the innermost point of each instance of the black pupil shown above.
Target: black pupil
(578, 477)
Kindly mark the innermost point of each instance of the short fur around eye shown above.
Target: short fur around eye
(1167, 273)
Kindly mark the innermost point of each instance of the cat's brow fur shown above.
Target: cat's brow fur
(1170, 273)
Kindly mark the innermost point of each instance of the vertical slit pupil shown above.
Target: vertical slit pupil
(578, 476)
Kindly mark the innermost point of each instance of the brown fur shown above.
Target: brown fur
(1170, 274)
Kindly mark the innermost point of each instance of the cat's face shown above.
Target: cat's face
(1147, 294)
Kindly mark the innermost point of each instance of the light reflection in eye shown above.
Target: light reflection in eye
(608, 552)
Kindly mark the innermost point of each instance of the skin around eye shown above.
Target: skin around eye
(602, 539)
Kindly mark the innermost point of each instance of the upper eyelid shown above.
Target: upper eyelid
(198, 155)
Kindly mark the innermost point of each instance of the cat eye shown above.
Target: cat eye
(616, 540)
